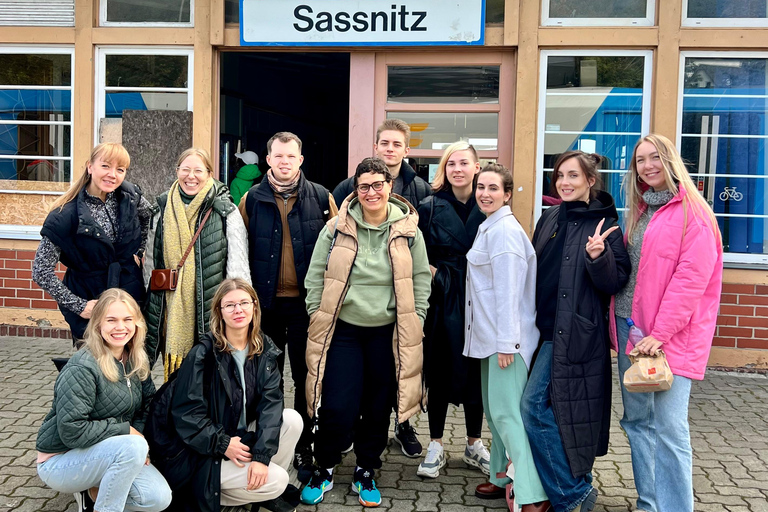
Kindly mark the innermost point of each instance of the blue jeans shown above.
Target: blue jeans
(114, 465)
(657, 428)
(565, 491)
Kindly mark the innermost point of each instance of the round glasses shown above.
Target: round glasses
(376, 185)
(244, 305)
(186, 171)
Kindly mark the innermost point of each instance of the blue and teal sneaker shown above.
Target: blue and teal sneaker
(320, 483)
(365, 487)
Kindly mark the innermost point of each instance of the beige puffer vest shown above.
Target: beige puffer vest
(407, 337)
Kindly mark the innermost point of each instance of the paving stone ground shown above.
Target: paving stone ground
(729, 431)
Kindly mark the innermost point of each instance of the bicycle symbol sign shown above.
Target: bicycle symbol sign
(730, 193)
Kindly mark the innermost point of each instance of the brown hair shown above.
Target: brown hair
(110, 152)
(218, 327)
(284, 137)
(372, 164)
(397, 125)
(137, 356)
(506, 177)
(588, 162)
(198, 152)
(439, 183)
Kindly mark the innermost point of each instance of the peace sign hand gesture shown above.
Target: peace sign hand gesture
(596, 242)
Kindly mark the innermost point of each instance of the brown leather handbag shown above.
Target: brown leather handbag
(166, 279)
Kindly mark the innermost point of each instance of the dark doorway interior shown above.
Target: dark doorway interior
(305, 93)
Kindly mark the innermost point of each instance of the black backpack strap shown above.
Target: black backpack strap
(322, 198)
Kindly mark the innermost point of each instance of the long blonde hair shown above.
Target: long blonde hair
(218, 327)
(674, 173)
(440, 182)
(110, 152)
(137, 356)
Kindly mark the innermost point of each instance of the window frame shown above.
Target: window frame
(730, 260)
(720, 22)
(103, 22)
(100, 76)
(44, 50)
(538, 208)
(647, 21)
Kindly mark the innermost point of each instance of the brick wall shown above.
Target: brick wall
(743, 318)
(16, 287)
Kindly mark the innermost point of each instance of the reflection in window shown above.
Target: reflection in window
(141, 11)
(597, 104)
(432, 84)
(437, 130)
(727, 9)
(597, 8)
(723, 141)
(36, 116)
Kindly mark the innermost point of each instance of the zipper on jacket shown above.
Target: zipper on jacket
(397, 329)
(128, 383)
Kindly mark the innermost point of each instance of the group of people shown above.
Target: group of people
(406, 297)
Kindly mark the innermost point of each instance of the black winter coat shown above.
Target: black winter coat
(415, 189)
(194, 415)
(448, 240)
(581, 366)
(93, 263)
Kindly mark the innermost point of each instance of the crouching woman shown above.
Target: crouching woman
(90, 443)
(218, 429)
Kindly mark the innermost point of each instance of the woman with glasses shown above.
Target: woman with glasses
(176, 319)
(98, 229)
(367, 296)
(218, 430)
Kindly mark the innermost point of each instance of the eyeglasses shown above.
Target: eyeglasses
(244, 305)
(186, 171)
(365, 187)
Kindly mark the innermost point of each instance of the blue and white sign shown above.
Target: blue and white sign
(362, 22)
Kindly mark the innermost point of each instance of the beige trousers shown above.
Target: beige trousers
(234, 479)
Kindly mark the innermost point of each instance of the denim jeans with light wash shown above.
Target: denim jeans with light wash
(657, 428)
(565, 491)
(114, 465)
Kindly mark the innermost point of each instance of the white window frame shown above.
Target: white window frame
(732, 260)
(104, 23)
(721, 22)
(100, 74)
(541, 124)
(647, 21)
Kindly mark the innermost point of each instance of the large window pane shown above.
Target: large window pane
(146, 70)
(430, 84)
(37, 169)
(31, 139)
(436, 130)
(35, 105)
(597, 8)
(139, 11)
(727, 9)
(119, 101)
(34, 69)
(723, 142)
(595, 71)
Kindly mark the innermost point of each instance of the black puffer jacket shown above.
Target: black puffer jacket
(581, 366)
(195, 414)
(448, 240)
(415, 189)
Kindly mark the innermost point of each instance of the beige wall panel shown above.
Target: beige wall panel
(232, 35)
(202, 120)
(83, 96)
(598, 37)
(217, 22)
(724, 38)
(25, 209)
(19, 245)
(665, 73)
(33, 318)
(739, 276)
(144, 35)
(738, 358)
(38, 35)
(494, 36)
(362, 129)
(511, 15)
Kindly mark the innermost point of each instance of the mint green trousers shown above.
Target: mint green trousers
(502, 391)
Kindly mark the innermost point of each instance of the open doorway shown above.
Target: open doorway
(305, 93)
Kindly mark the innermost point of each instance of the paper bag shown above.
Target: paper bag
(648, 373)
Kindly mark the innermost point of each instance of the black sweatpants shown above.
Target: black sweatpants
(438, 410)
(358, 393)
(287, 323)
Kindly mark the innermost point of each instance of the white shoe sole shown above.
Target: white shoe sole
(402, 449)
(475, 464)
(431, 472)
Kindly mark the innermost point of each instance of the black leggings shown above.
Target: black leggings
(438, 410)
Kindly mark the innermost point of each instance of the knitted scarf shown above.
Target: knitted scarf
(179, 226)
(285, 189)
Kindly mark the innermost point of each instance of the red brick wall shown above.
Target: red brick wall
(743, 318)
(16, 287)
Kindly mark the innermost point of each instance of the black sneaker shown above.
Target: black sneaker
(405, 435)
(277, 505)
(84, 501)
(302, 461)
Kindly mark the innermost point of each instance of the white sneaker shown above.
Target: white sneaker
(477, 455)
(434, 461)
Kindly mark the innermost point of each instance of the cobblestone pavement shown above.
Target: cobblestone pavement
(729, 428)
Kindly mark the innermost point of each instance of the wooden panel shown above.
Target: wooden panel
(362, 128)
(143, 35)
(511, 15)
(51, 35)
(725, 38)
(599, 37)
(202, 132)
(217, 22)
(666, 66)
(83, 94)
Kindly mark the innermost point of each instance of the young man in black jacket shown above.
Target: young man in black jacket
(392, 145)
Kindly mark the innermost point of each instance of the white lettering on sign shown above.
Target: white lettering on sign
(361, 22)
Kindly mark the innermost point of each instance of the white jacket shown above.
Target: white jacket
(501, 290)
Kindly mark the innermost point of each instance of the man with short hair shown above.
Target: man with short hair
(392, 145)
(284, 215)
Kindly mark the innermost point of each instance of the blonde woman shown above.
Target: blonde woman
(673, 295)
(98, 229)
(219, 428)
(175, 319)
(91, 441)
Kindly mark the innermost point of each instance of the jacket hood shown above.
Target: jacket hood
(397, 207)
(603, 206)
(249, 172)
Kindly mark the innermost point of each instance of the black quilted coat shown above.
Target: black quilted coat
(581, 365)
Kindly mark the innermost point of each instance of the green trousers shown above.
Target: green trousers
(502, 391)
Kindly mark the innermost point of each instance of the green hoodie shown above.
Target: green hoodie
(243, 181)
(370, 299)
